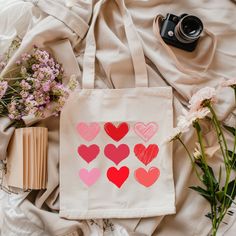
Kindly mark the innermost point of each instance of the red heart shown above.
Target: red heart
(147, 178)
(88, 153)
(146, 155)
(116, 133)
(116, 154)
(118, 177)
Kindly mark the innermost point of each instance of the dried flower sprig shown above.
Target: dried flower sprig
(36, 90)
(220, 194)
(15, 44)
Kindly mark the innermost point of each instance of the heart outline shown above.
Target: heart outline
(146, 155)
(147, 178)
(145, 131)
(116, 132)
(89, 177)
(88, 153)
(88, 131)
(118, 177)
(116, 154)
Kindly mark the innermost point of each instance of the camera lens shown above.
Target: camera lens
(188, 29)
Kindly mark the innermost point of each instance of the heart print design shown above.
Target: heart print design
(89, 177)
(116, 132)
(88, 153)
(88, 131)
(145, 131)
(147, 178)
(116, 154)
(146, 155)
(118, 177)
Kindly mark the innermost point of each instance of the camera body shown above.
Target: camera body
(176, 31)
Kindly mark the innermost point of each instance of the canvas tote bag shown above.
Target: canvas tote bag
(113, 159)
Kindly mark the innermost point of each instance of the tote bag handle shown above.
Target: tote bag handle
(134, 43)
(205, 67)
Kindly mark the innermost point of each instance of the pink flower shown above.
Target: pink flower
(2, 65)
(229, 83)
(25, 85)
(3, 88)
(13, 110)
(186, 121)
(46, 86)
(25, 56)
(198, 100)
(18, 62)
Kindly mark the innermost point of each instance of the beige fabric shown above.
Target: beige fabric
(80, 182)
(219, 17)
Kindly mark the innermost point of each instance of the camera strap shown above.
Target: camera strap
(156, 29)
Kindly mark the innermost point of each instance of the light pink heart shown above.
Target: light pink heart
(88, 131)
(116, 154)
(145, 131)
(89, 177)
(88, 153)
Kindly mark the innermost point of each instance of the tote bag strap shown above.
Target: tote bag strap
(134, 43)
(156, 30)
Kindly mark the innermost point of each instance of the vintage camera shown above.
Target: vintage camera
(181, 31)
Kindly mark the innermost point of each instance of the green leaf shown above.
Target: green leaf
(232, 160)
(197, 126)
(230, 129)
(205, 193)
(209, 215)
(220, 175)
(207, 179)
(220, 196)
(231, 191)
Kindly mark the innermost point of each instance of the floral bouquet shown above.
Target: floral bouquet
(33, 88)
(218, 189)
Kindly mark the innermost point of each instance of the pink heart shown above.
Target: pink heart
(116, 154)
(147, 178)
(88, 131)
(145, 131)
(88, 153)
(89, 177)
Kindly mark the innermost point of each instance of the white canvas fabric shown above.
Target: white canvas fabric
(114, 162)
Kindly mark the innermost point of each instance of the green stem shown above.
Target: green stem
(3, 103)
(190, 157)
(221, 134)
(207, 171)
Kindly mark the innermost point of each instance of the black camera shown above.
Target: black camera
(181, 31)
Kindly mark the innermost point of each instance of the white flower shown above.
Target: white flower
(197, 154)
(229, 83)
(184, 122)
(205, 94)
(73, 83)
(174, 135)
(199, 114)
